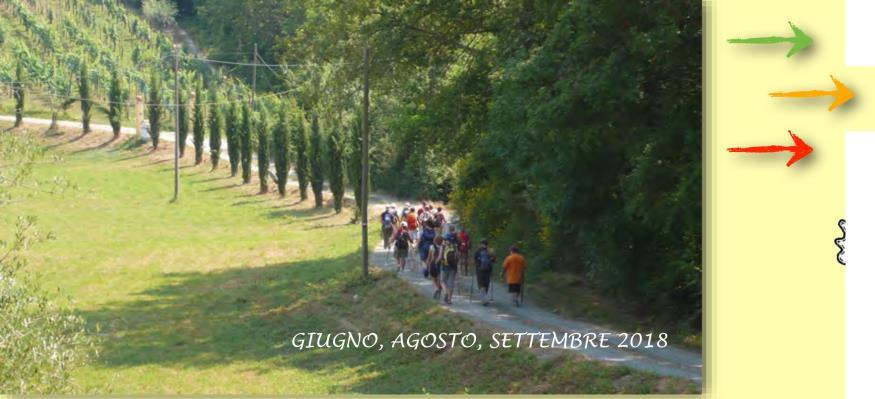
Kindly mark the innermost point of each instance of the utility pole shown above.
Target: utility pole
(254, 68)
(176, 122)
(365, 132)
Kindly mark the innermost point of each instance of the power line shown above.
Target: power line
(249, 64)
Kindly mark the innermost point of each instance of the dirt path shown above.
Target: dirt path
(501, 315)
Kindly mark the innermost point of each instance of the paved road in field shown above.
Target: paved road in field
(501, 315)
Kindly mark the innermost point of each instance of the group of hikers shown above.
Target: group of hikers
(442, 251)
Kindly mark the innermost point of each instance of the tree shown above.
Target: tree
(354, 163)
(85, 98)
(154, 109)
(199, 128)
(302, 154)
(232, 133)
(18, 93)
(281, 152)
(184, 118)
(216, 128)
(115, 104)
(161, 12)
(263, 133)
(317, 177)
(334, 158)
(245, 134)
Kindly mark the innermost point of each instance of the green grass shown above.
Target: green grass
(202, 296)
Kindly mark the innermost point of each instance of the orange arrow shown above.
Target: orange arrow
(841, 94)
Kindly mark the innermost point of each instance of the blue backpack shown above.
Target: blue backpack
(428, 236)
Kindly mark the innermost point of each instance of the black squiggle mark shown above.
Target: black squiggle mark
(840, 242)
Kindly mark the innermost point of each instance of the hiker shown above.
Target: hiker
(388, 228)
(440, 219)
(449, 267)
(514, 268)
(402, 242)
(451, 236)
(412, 227)
(464, 246)
(483, 260)
(435, 254)
(424, 244)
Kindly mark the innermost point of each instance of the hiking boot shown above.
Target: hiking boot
(516, 302)
(437, 294)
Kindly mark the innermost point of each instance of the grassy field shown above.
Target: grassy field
(202, 296)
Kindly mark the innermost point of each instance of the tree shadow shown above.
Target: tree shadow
(97, 147)
(250, 202)
(200, 320)
(307, 214)
(70, 141)
(219, 188)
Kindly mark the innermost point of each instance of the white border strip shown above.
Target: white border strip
(859, 32)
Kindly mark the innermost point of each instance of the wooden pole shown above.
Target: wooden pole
(364, 188)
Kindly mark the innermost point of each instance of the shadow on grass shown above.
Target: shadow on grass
(70, 141)
(307, 214)
(219, 188)
(249, 314)
(97, 147)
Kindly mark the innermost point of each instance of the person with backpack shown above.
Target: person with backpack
(440, 219)
(425, 241)
(402, 241)
(514, 268)
(388, 226)
(464, 246)
(412, 226)
(434, 260)
(449, 267)
(484, 258)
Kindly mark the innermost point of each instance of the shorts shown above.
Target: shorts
(514, 287)
(401, 253)
(448, 276)
(434, 270)
(483, 277)
(423, 253)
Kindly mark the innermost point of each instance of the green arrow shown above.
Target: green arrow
(800, 40)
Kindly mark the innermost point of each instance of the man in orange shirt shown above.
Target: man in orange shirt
(514, 268)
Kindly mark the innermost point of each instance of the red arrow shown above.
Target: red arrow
(799, 149)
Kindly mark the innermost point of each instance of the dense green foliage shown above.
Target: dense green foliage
(199, 123)
(569, 127)
(353, 160)
(216, 127)
(41, 343)
(334, 164)
(233, 133)
(18, 93)
(281, 152)
(245, 134)
(262, 132)
(161, 12)
(116, 100)
(85, 97)
(184, 118)
(317, 174)
(153, 109)
(302, 153)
